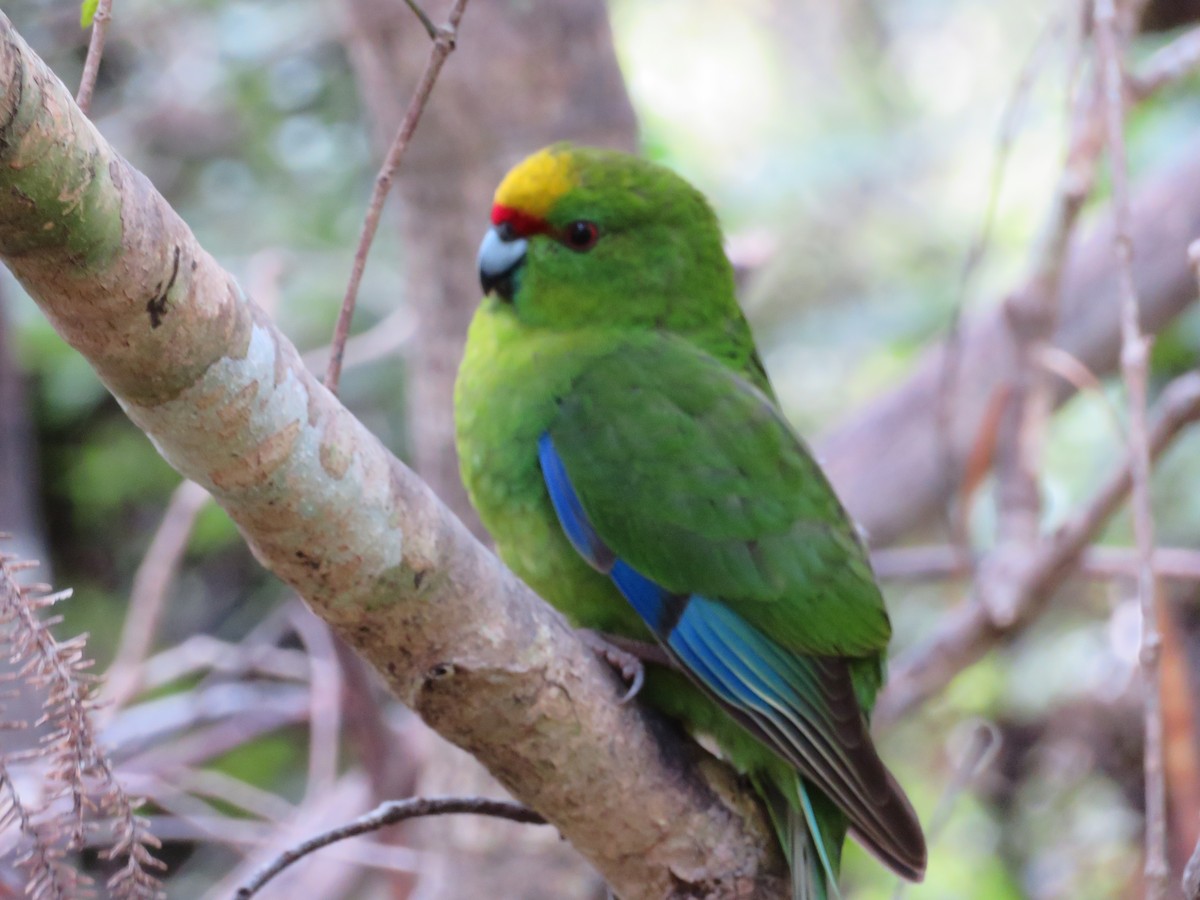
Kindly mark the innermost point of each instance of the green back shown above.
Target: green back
(692, 476)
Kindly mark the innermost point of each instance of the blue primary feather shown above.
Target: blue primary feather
(570, 512)
(764, 682)
(651, 601)
(708, 668)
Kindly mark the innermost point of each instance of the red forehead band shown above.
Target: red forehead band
(522, 224)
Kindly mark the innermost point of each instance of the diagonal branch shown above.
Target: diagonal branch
(884, 458)
(227, 400)
(970, 631)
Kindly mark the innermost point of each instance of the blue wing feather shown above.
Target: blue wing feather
(782, 697)
(652, 602)
(571, 517)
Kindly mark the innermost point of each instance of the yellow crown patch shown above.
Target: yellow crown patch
(535, 185)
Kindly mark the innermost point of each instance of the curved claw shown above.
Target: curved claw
(626, 663)
(636, 679)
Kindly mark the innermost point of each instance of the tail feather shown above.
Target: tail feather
(811, 830)
(810, 877)
(823, 851)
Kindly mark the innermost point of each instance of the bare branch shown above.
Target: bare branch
(884, 458)
(390, 814)
(443, 45)
(1169, 65)
(969, 632)
(91, 65)
(939, 561)
(1135, 365)
(426, 22)
(151, 582)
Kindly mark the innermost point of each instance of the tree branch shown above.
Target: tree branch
(443, 45)
(970, 631)
(148, 595)
(1135, 371)
(91, 65)
(884, 459)
(227, 401)
(384, 815)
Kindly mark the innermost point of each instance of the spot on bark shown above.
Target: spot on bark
(309, 562)
(156, 306)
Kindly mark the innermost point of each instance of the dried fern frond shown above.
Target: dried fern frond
(35, 848)
(78, 784)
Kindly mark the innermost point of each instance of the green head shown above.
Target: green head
(588, 237)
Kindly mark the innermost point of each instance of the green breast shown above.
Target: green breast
(506, 395)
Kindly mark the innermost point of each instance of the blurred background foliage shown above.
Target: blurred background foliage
(849, 149)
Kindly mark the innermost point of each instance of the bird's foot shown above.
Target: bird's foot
(626, 656)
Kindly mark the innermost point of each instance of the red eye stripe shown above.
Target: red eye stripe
(522, 224)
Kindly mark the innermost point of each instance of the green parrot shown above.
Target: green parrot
(620, 440)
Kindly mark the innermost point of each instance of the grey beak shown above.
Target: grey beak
(498, 261)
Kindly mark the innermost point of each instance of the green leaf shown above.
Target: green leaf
(87, 12)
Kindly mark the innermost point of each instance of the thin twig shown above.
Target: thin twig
(430, 28)
(1169, 65)
(218, 819)
(203, 653)
(1135, 363)
(968, 632)
(248, 835)
(1071, 369)
(390, 814)
(233, 792)
(188, 729)
(1009, 127)
(385, 338)
(443, 45)
(147, 599)
(1032, 316)
(347, 798)
(982, 747)
(1010, 122)
(91, 65)
(325, 701)
(941, 561)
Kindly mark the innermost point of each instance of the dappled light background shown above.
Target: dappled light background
(851, 151)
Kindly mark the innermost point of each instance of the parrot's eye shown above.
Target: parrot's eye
(581, 235)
